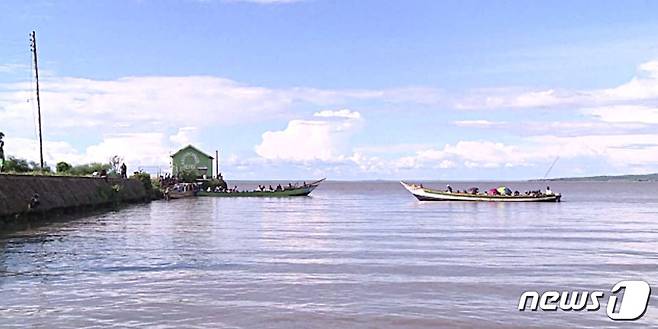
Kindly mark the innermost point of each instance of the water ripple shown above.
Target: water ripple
(353, 255)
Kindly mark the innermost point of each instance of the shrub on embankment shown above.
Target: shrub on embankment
(152, 186)
(59, 194)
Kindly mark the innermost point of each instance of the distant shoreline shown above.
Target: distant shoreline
(602, 178)
(605, 178)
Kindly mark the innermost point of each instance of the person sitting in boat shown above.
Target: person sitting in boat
(271, 189)
(548, 191)
(290, 186)
(304, 183)
(279, 188)
(517, 193)
(261, 187)
(449, 188)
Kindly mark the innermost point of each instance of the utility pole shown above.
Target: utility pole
(217, 163)
(33, 48)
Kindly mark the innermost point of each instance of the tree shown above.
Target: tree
(45, 169)
(88, 169)
(14, 164)
(63, 167)
(115, 163)
(188, 176)
(17, 165)
(145, 178)
(214, 183)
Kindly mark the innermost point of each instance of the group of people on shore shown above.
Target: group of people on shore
(168, 180)
(123, 172)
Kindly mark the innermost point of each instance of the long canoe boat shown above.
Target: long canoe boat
(297, 191)
(426, 194)
(179, 191)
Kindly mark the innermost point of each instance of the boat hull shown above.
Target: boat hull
(302, 191)
(425, 194)
(179, 195)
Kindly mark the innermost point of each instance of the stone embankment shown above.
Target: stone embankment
(28, 199)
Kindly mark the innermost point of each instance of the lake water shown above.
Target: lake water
(353, 255)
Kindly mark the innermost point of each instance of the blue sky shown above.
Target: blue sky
(344, 89)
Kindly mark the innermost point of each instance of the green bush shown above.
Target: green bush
(188, 176)
(16, 165)
(214, 183)
(63, 167)
(90, 168)
(156, 183)
(145, 178)
(22, 166)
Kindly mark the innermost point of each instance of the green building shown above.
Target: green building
(191, 158)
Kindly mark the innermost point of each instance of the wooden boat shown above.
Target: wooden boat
(297, 191)
(179, 191)
(426, 194)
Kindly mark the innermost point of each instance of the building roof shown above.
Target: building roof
(192, 147)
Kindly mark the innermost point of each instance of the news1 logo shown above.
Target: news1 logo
(628, 300)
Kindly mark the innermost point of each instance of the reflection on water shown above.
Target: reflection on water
(352, 255)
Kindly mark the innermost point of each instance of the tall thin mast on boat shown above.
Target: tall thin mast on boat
(33, 48)
(551, 167)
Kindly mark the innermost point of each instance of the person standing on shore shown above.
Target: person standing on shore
(2, 152)
(124, 171)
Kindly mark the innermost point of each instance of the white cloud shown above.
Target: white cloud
(344, 113)
(186, 136)
(624, 114)
(428, 158)
(11, 68)
(626, 152)
(25, 148)
(200, 101)
(515, 98)
(368, 163)
(537, 99)
(188, 105)
(138, 150)
(640, 88)
(311, 140)
(471, 154)
(478, 123)
(135, 116)
(650, 68)
(623, 151)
